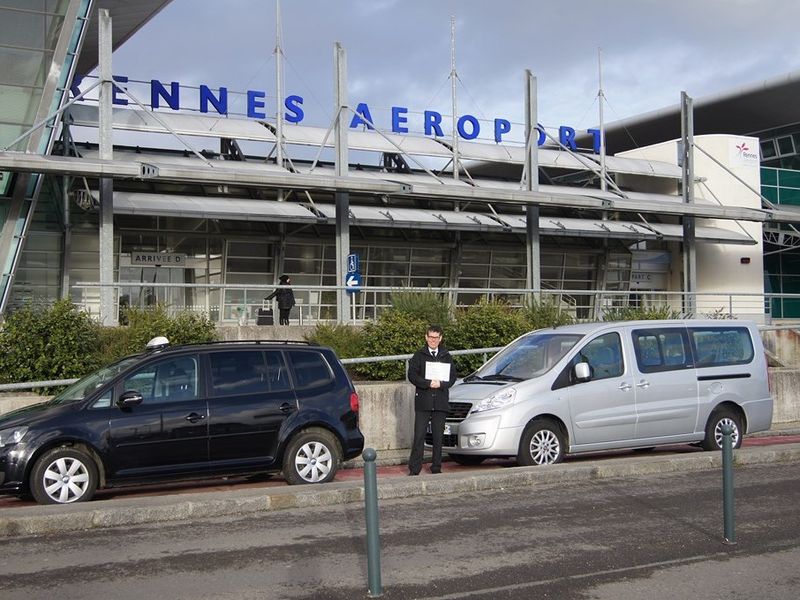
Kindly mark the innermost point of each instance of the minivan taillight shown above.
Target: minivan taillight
(354, 402)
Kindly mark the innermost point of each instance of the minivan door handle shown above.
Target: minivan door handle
(194, 417)
(643, 384)
(286, 408)
(625, 386)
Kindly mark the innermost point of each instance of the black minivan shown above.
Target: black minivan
(186, 412)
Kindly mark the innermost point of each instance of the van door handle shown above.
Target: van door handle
(286, 408)
(643, 384)
(194, 417)
(625, 386)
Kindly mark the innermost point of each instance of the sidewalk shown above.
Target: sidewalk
(131, 511)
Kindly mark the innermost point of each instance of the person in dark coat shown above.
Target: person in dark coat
(431, 399)
(285, 297)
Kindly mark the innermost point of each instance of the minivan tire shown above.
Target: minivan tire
(312, 456)
(63, 476)
(713, 439)
(542, 443)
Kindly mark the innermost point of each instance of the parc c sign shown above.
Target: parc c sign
(468, 126)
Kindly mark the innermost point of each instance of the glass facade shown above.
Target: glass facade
(782, 264)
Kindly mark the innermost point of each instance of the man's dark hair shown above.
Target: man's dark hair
(435, 329)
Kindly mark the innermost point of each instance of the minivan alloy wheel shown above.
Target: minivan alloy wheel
(312, 456)
(544, 447)
(63, 476)
(313, 461)
(542, 444)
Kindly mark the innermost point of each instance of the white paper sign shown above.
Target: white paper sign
(437, 370)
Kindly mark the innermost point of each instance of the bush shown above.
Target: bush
(640, 313)
(482, 325)
(39, 343)
(347, 341)
(429, 306)
(539, 314)
(393, 333)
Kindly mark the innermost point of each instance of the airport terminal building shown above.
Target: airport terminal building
(96, 204)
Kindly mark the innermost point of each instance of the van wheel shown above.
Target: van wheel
(720, 417)
(63, 476)
(541, 444)
(313, 456)
(467, 459)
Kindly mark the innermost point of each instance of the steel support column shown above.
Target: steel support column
(534, 279)
(689, 243)
(108, 309)
(342, 197)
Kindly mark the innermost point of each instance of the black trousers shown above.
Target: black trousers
(421, 419)
(283, 315)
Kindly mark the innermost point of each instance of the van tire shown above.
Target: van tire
(721, 416)
(312, 456)
(542, 443)
(62, 476)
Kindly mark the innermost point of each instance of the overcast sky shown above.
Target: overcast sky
(398, 52)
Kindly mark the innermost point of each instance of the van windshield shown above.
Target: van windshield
(84, 387)
(529, 356)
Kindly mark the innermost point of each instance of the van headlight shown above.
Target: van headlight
(12, 435)
(498, 400)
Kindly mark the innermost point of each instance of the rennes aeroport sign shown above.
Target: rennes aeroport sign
(210, 100)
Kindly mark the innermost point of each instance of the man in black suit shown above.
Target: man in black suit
(432, 372)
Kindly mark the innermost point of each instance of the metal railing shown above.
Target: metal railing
(316, 303)
(32, 385)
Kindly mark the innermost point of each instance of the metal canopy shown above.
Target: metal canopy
(254, 174)
(136, 203)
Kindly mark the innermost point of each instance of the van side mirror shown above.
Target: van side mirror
(583, 372)
(130, 398)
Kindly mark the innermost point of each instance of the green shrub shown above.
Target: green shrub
(346, 340)
(429, 306)
(144, 324)
(640, 313)
(39, 343)
(393, 333)
(482, 325)
(539, 314)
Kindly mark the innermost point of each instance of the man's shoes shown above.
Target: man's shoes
(435, 471)
(411, 473)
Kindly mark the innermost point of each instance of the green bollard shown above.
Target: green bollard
(727, 484)
(371, 508)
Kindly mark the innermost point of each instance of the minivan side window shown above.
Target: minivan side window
(310, 369)
(719, 346)
(170, 380)
(659, 350)
(604, 355)
(247, 372)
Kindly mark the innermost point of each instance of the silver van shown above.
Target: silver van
(601, 386)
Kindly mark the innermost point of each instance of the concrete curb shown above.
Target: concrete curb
(41, 520)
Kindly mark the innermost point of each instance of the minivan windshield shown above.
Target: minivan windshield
(529, 356)
(84, 387)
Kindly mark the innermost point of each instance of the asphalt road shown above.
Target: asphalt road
(655, 537)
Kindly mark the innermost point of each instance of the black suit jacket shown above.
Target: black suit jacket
(425, 398)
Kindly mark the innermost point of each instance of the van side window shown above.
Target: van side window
(661, 349)
(604, 355)
(170, 380)
(719, 346)
(310, 369)
(247, 372)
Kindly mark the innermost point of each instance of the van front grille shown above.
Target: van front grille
(458, 411)
(448, 441)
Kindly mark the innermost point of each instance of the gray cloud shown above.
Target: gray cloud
(399, 51)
